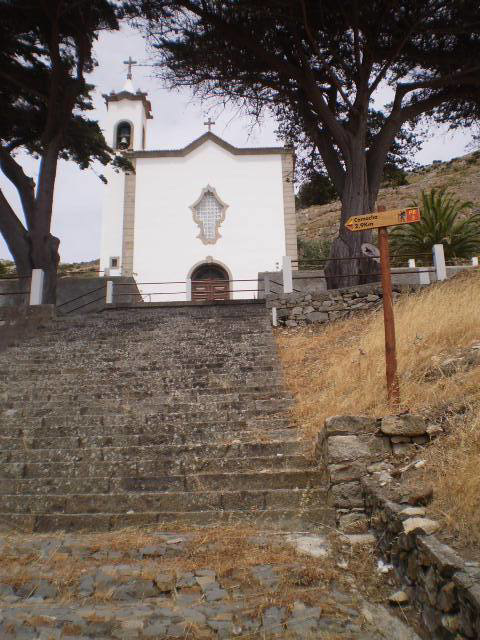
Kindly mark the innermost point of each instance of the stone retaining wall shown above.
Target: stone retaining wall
(299, 308)
(359, 454)
(444, 587)
(352, 447)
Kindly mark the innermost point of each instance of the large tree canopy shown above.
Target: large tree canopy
(326, 63)
(45, 53)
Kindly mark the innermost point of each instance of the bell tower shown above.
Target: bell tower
(127, 113)
(125, 131)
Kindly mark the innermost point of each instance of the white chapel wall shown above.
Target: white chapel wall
(166, 242)
(112, 221)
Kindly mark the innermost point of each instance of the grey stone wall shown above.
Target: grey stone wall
(72, 292)
(353, 447)
(20, 322)
(442, 586)
(11, 292)
(91, 293)
(294, 309)
(357, 454)
(303, 281)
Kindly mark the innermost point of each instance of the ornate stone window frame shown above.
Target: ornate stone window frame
(199, 221)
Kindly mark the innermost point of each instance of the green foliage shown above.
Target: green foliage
(318, 189)
(39, 102)
(394, 176)
(443, 221)
(3, 268)
(313, 251)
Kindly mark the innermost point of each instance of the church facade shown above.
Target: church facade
(196, 223)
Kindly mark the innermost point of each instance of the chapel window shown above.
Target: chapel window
(209, 213)
(124, 135)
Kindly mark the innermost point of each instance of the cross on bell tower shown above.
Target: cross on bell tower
(130, 62)
(209, 123)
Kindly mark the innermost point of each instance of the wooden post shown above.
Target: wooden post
(393, 389)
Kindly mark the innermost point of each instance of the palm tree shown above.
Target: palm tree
(441, 222)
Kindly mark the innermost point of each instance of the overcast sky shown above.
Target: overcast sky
(177, 120)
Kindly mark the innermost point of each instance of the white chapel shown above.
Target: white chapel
(196, 223)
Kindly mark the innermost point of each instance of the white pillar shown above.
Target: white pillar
(287, 274)
(475, 261)
(36, 286)
(274, 317)
(109, 294)
(188, 289)
(411, 263)
(439, 261)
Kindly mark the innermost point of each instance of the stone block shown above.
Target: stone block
(348, 495)
(405, 425)
(316, 316)
(344, 425)
(346, 448)
(346, 471)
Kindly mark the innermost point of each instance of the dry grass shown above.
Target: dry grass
(452, 467)
(341, 369)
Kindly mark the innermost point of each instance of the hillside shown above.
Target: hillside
(461, 175)
(91, 266)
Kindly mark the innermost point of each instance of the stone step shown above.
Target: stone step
(286, 519)
(205, 406)
(289, 445)
(178, 396)
(176, 434)
(125, 391)
(35, 475)
(148, 467)
(206, 487)
(126, 502)
(107, 454)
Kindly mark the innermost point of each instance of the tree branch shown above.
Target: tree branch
(23, 183)
(328, 70)
(15, 236)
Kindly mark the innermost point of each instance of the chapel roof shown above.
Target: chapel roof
(209, 136)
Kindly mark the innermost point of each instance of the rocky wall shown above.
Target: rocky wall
(300, 308)
(360, 456)
(444, 587)
(352, 447)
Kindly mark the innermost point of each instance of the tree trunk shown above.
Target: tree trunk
(16, 237)
(44, 246)
(346, 266)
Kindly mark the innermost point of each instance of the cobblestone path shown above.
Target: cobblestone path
(213, 583)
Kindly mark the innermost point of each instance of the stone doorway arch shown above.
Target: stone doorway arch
(210, 282)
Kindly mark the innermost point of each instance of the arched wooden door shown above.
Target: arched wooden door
(209, 283)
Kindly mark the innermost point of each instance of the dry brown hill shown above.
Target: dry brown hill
(461, 175)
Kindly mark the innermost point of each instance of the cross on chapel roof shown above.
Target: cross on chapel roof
(130, 62)
(209, 123)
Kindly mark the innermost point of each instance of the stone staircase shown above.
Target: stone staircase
(172, 415)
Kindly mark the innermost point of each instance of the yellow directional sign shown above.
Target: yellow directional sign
(383, 219)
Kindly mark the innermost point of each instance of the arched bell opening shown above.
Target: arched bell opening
(124, 135)
(210, 282)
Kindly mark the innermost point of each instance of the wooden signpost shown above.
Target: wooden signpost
(381, 220)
